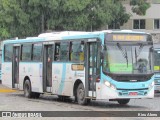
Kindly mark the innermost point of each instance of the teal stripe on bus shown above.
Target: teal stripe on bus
(61, 87)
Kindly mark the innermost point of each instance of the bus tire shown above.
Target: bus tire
(27, 89)
(81, 95)
(123, 101)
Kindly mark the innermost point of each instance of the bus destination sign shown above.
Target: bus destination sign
(128, 37)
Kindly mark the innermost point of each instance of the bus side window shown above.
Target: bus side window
(37, 52)
(8, 49)
(64, 51)
(57, 52)
(77, 51)
(26, 52)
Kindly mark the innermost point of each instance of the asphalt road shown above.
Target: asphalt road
(15, 101)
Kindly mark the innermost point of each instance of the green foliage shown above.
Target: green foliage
(139, 6)
(22, 18)
(120, 16)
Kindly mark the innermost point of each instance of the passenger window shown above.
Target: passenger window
(77, 51)
(64, 51)
(37, 52)
(8, 49)
(26, 52)
(61, 51)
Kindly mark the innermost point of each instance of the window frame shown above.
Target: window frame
(156, 26)
(31, 52)
(139, 23)
(61, 52)
(71, 44)
(11, 45)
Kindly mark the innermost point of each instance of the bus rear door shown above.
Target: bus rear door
(47, 67)
(15, 66)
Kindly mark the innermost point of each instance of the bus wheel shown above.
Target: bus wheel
(27, 89)
(81, 95)
(123, 101)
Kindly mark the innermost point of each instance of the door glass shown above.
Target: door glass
(16, 66)
(92, 65)
(49, 65)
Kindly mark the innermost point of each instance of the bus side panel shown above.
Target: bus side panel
(56, 75)
(7, 74)
(34, 72)
(64, 78)
(64, 85)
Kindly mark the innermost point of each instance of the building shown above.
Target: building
(148, 23)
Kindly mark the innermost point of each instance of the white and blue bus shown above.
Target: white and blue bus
(157, 67)
(114, 65)
(127, 66)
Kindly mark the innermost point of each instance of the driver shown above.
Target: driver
(141, 65)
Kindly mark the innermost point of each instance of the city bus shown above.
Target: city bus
(157, 66)
(105, 65)
(127, 65)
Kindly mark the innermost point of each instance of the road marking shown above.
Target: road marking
(6, 90)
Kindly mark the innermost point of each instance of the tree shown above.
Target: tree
(139, 6)
(120, 15)
(12, 19)
(22, 18)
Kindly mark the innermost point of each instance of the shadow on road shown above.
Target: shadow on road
(69, 101)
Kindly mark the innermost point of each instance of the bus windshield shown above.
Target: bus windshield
(127, 59)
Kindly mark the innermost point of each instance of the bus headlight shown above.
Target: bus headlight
(108, 84)
(151, 85)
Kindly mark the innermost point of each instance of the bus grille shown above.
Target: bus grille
(136, 78)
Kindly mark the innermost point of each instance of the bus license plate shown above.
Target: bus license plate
(133, 93)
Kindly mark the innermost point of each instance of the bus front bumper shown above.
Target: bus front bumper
(108, 93)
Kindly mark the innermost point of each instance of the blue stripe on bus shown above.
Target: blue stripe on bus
(62, 79)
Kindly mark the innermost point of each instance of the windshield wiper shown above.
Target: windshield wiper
(124, 52)
(139, 51)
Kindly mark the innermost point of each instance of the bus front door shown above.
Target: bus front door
(92, 68)
(15, 67)
(47, 68)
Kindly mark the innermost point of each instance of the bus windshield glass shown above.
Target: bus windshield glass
(127, 59)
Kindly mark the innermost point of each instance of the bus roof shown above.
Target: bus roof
(62, 33)
(56, 36)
